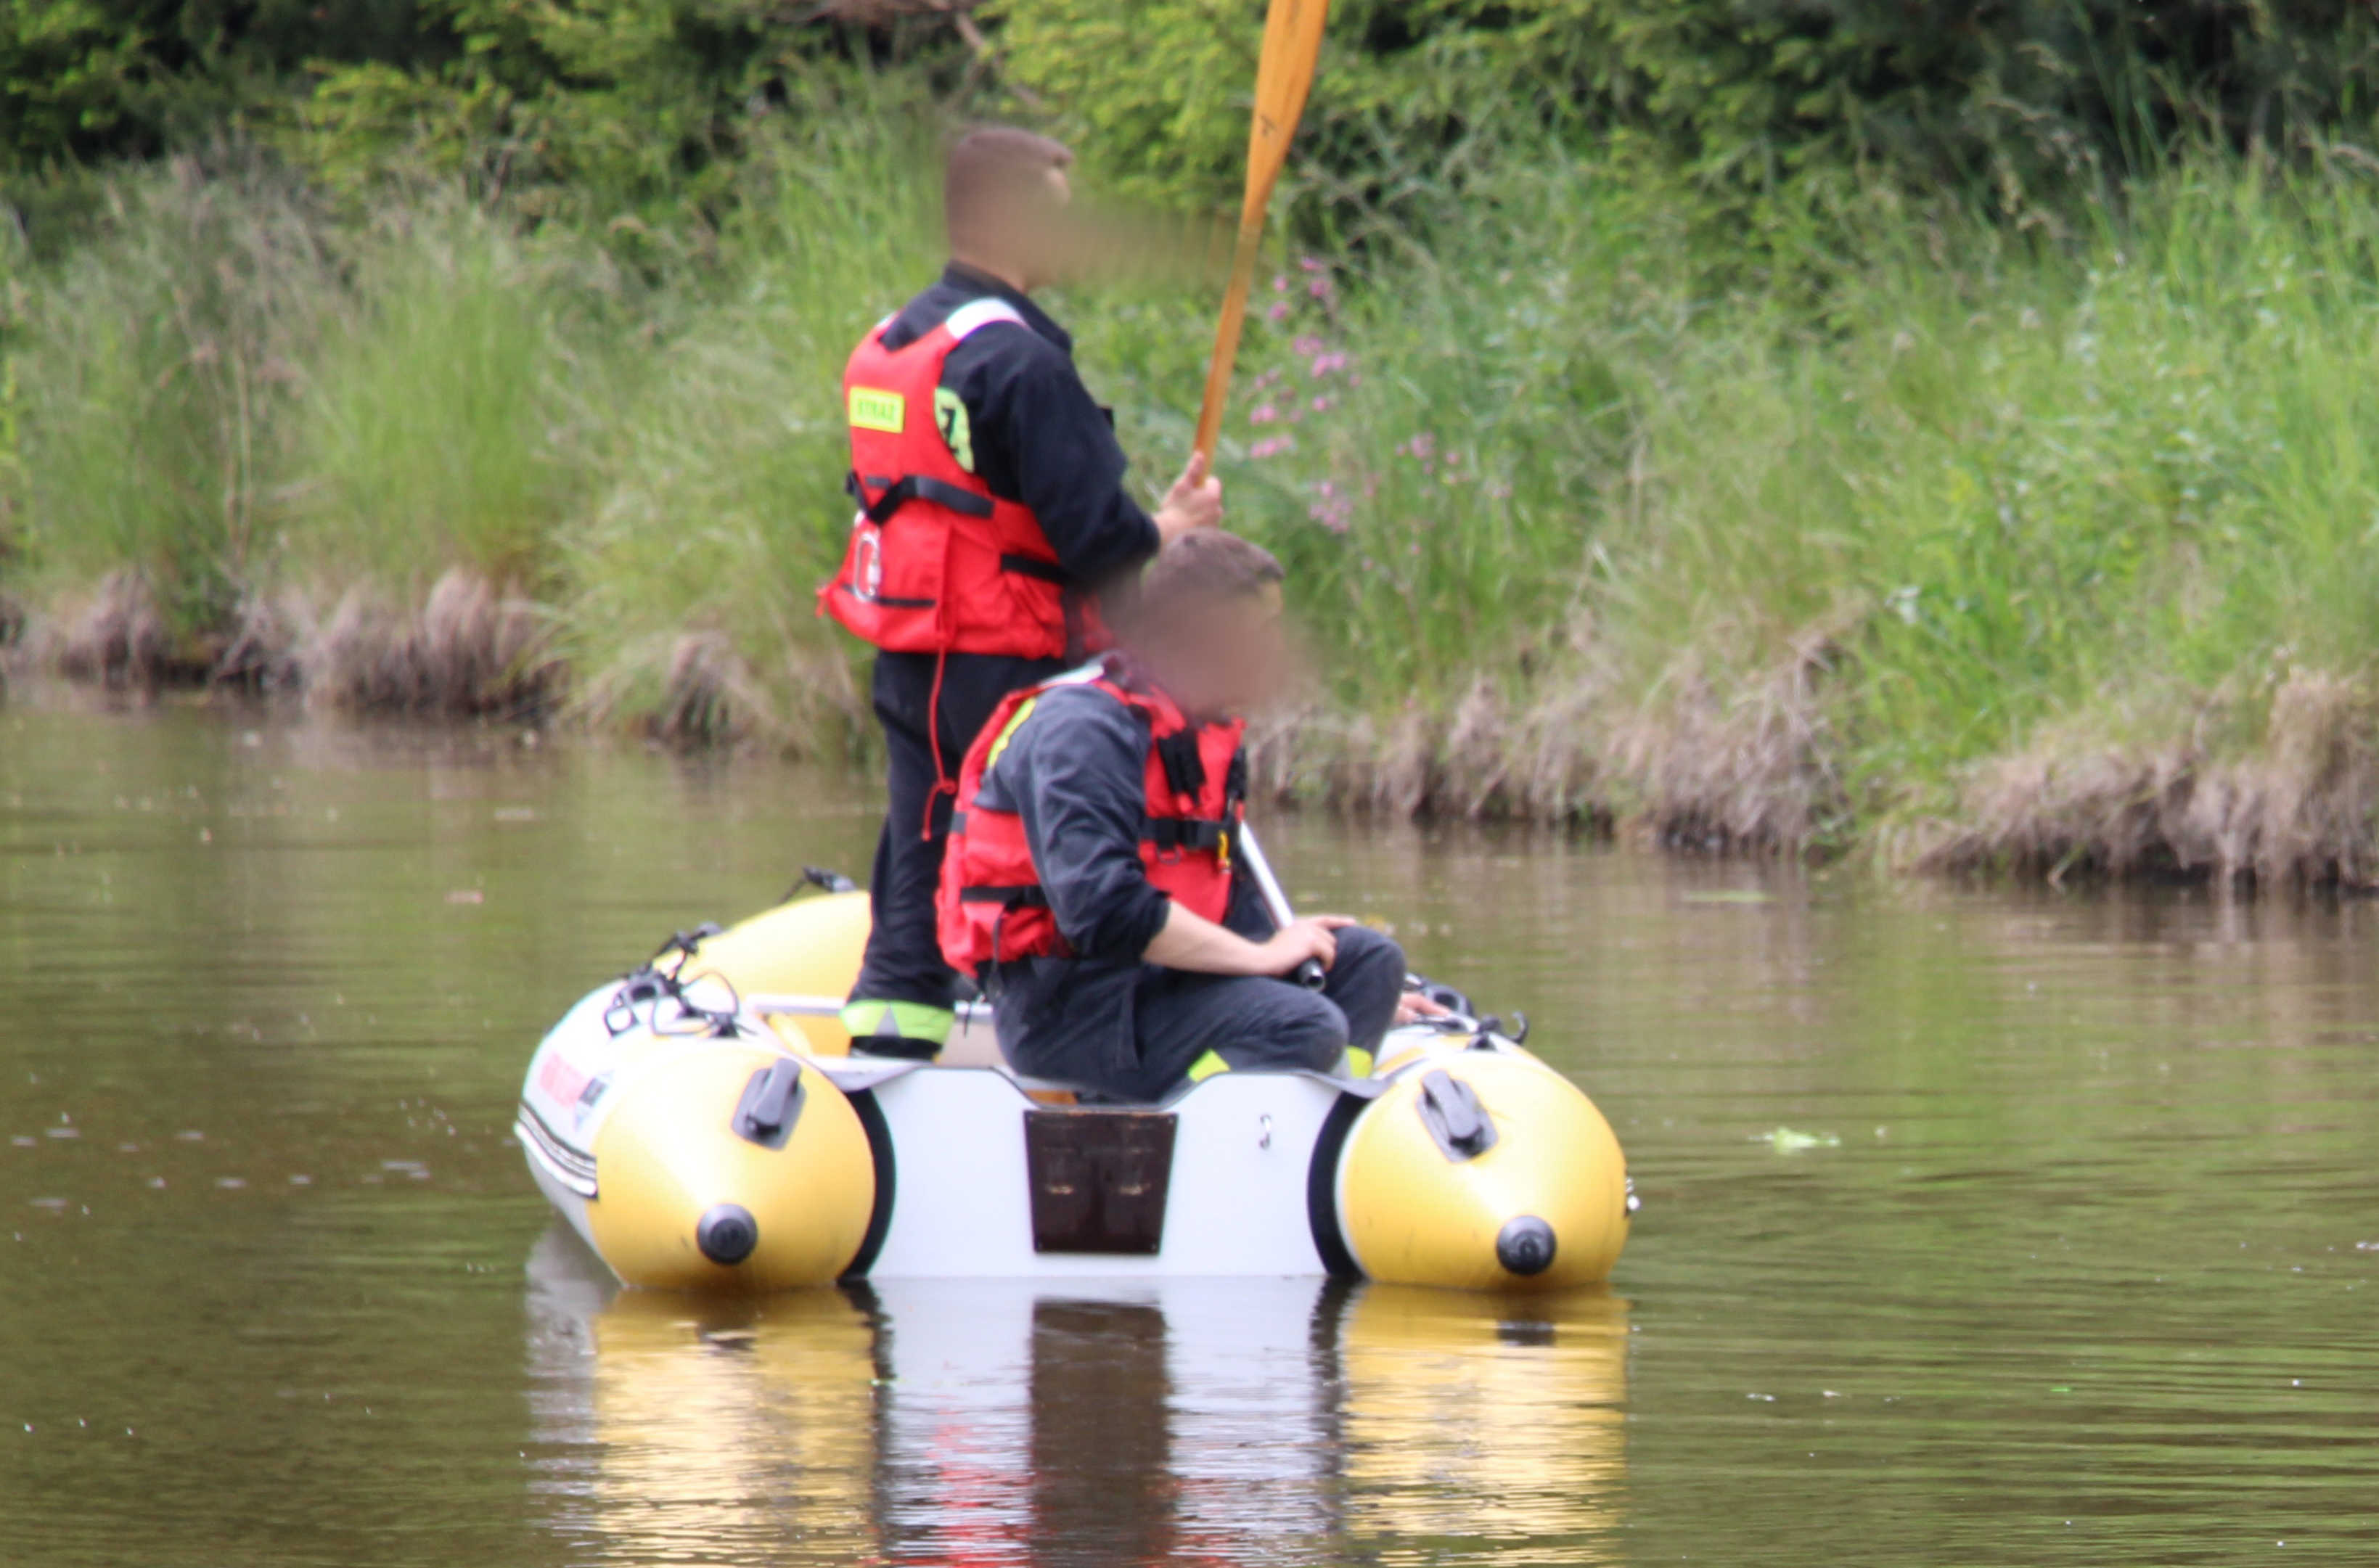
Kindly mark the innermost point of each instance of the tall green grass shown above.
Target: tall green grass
(1582, 513)
(2113, 490)
(689, 578)
(449, 405)
(150, 378)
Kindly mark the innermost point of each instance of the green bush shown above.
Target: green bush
(84, 80)
(631, 114)
(1158, 92)
(1753, 99)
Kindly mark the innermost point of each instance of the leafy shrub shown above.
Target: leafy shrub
(1749, 97)
(95, 78)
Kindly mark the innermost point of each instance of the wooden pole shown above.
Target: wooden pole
(1292, 47)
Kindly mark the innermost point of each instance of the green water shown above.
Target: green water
(2078, 1269)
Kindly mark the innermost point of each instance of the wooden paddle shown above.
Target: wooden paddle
(1292, 45)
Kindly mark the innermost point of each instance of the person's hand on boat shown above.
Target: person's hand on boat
(1194, 502)
(1315, 937)
(1415, 1006)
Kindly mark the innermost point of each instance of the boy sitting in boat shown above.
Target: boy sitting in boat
(1089, 886)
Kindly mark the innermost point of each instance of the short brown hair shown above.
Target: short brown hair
(1203, 566)
(992, 172)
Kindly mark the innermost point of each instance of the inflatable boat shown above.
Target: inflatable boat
(703, 1124)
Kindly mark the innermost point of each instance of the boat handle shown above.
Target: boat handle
(1451, 1111)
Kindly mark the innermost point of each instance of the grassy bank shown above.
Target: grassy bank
(1966, 546)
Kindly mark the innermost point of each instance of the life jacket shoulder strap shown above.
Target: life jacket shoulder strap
(976, 315)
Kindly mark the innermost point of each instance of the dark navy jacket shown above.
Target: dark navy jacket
(1037, 436)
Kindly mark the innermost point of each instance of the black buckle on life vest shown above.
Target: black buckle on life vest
(893, 494)
(1181, 836)
(1185, 768)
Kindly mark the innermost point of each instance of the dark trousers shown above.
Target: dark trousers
(904, 958)
(1177, 1016)
(1135, 1030)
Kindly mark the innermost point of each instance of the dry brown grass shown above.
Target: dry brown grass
(1699, 761)
(709, 695)
(468, 649)
(1698, 765)
(114, 634)
(695, 687)
(261, 654)
(1415, 764)
(2297, 810)
(1737, 768)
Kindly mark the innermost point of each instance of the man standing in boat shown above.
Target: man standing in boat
(1089, 885)
(993, 521)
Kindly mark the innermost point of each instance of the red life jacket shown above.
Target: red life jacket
(937, 563)
(991, 908)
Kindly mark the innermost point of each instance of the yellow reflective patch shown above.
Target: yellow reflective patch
(1207, 1066)
(1000, 743)
(950, 419)
(1358, 1063)
(874, 409)
(903, 1020)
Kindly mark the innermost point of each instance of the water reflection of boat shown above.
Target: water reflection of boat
(965, 1422)
(702, 1124)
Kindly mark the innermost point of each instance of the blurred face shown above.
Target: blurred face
(1227, 658)
(1029, 237)
(1049, 248)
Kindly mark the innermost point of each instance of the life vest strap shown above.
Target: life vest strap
(1172, 835)
(1033, 566)
(1029, 895)
(893, 494)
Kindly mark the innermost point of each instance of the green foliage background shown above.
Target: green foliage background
(629, 99)
(1816, 424)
